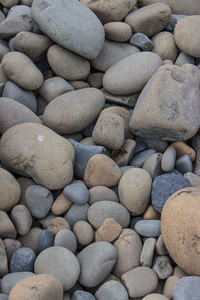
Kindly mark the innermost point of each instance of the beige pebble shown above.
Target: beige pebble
(108, 231)
(155, 297)
(168, 287)
(60, 205)
(95, 80)
(57, 224)
(11, 245)
(118, 31)
(160, 246)
(78, 84)
(151, 214)
(182, 149)
(9, 3)
(7, 229)
(124, 155)
(165, 46)
(83, 232)
(30, 240)
(179, 272)
(88, 141)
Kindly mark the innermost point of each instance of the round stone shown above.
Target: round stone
(187, 288)
(117, 31)
(162, 267)
(67, 239)
(59, 262)
(22, 260)
(155, 297)
(81, 295)
(57, 224)
(83, 232)
(165, 46)
(112, 290)
(180, 222)
(76, 193)
(76, 213)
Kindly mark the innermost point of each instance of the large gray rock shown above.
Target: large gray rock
(96, 262)
(112, 290)
(70, 24)
(187, 288)
(9, 280)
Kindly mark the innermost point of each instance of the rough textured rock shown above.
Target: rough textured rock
(130, 74)
(37, 159)
(180, 222)
(63, 114)
(177, 118)
(50, 17)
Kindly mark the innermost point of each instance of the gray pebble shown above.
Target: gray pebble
(142, 41)
(22, 260)
(76, 213)
(22, 219)
(78, 136)
(126, 168)
(184, 58)
(82, 155)
(140, 146)
(168, 159)
(134, 220)
(175, 18)
(139, 158)
(112, 290)
(162, 267)
(46, 240)
(164, 186)
(157, 145)
(96, 261)
(67, 239)
(3, 297)
(39, 200)
(184, 164)
(9, 280)
(193, 178)
(42, 104)
(81, 295)
(77, 193)
(146, 256)
(27, 98)
(187, 288)
(148, 228)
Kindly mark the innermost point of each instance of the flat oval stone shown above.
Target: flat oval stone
(59, 262)
(50, 17)
(118, 31)
(130, 74)
(96, 262)
(112, 290)
(9, 280)
(81, 295)
(102, 210)
(76, 193)
(63, 114)
(66, 238)
(22, 219)
(76, 213)
(30, 79)
(22, 260)
(83, 232)
(187, 288)
(168, 160)
(148, 228)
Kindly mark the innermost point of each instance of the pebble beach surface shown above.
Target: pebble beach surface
(99, 150)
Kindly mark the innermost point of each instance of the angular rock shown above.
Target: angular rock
(142, 41)
(128, 100)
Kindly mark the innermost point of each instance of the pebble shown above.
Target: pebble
(164, 186)
(156, 144)
(155, 297)
(3, 260)
(153, 165)
(148, 228)
(117, 31)
(57, 224)
(95, 79)
(81, 295)
(146, 256)
(135, 182)
(129, 247)
(22, 219)
(165, 46)
(139, 158)
(193, 178)
(184, 164)
(127, 100)
(151, 214)
(60, 205)
(76, 213)
(25, 97)
(142, 41)
(7, 228)
(77, 193)
(11, 245)
(9, 280)
(67, 239)
(30, 240)
(101, 210)
(83, 232)
(130, 74)
(187, 288)
(100, 193)
(169, 285)
(140, 281)
(96, 262)
(42, 286)
(183, 58)
(112, 290)
(182, 149)
(162, 267)
(3, 297)
(160, 246)
(51, 20)
(22, 260)
(45, 240)
(108, 231)
(59, 262)
(39, 201)
(168, 159)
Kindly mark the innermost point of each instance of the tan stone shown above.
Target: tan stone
(124, 155)
(57, 224)
(83, 232)
(78, 84)
(102, 170)
(108, 231)
(60, 205)
(151, 214)
(30, 240)
(10, 190)
(186, 34)
(155, 296)
(134, 190)
(168, 287)
(7, 229)
(180, 228)
(95, 80)
(179, 272)
(113, 10)
(9, 3)
(167, 62)
(88, 141)
(165, 46)
(11, 245)
(30, 79)
(163, 110)
(29, 149)
(118, 31)
(44, 286)
(182, 149)
(150, 19)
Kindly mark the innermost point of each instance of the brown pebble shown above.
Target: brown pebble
(95, 80)
(108, 231)
(151, 214)
(57, 224)
(30, 240)
(11, 245)
(168, 287)
(60, 205)
(182, 149)
(83, 232)
(7, 229)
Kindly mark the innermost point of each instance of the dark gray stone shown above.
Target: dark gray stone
(46, 240)
(41, 104)
(76, 213)
(27, 98)
(74, 136)
(139, 159)
(9, 280)
(63, 20)
(187, 288)
(77, 193)
(140, 146)
(175, 18)
(82, 155)
(142, 41)
(39, 201)
(148, 228)
(22, 260)
(184, 164)
(134, 220)
(112, 290)
(125, 101)
(164, 186)
(81, 295)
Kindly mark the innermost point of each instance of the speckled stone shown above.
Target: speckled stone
(22, 260)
